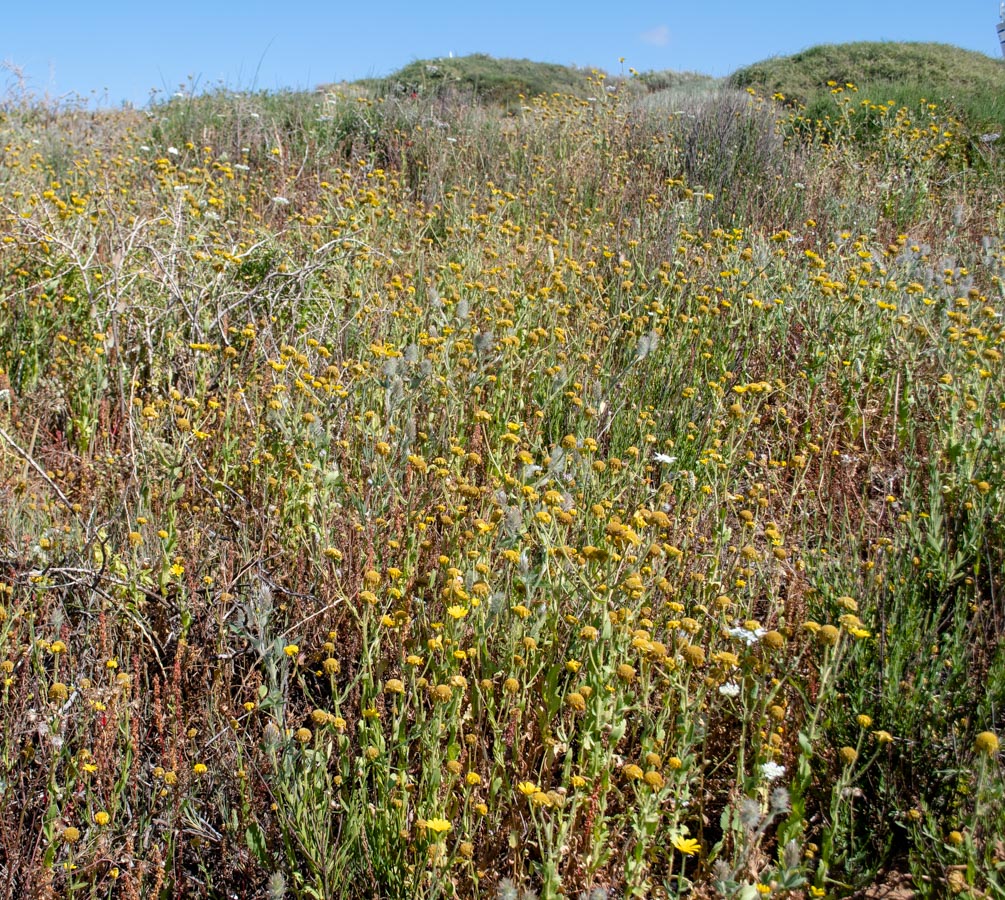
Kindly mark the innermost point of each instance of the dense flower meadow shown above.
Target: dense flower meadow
(407, 498)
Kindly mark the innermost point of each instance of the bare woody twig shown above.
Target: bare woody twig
(31, 462)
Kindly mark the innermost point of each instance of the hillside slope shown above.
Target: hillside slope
(486, 78)
(971, 83)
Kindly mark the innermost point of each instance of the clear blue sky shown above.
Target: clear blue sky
(120, 50)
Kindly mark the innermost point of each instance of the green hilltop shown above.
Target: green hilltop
(504, 81)
(485, 78)
(967, 83)
(971, 84)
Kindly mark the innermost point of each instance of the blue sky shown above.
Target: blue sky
(121, 50)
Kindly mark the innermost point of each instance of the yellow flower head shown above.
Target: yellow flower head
(828, 635)
(687, 846)
(987, 743)
(438, 826)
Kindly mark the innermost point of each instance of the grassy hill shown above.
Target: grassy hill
(486, 78)
(504, 81)
(969, 83)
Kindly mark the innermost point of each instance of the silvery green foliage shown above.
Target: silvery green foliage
(484, 342)
(750, 813)
(507, 890)
(748, 824)
(276, 887)
(647, 343)
(779, 800)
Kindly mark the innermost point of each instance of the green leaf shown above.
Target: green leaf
(255, 839)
